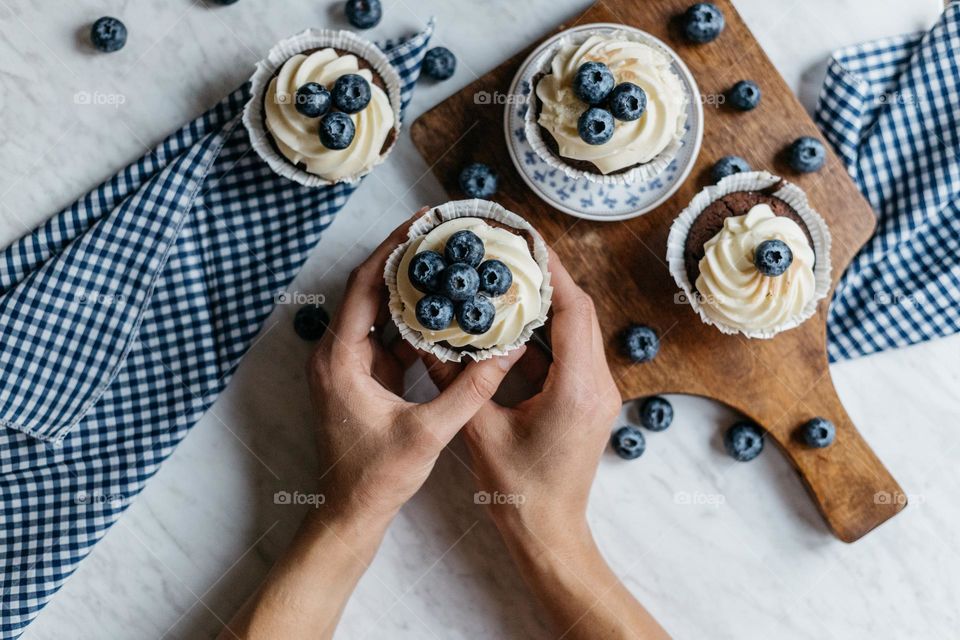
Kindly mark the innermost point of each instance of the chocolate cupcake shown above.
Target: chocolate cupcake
(289, 138)
(751, 255)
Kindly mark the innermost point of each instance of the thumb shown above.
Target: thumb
(466, 394)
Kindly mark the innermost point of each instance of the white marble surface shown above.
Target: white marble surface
(757, 561)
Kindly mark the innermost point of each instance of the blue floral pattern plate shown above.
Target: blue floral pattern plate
(583, 198)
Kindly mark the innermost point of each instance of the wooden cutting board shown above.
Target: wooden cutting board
(779, 383)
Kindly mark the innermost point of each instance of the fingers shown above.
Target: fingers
(574, 329)
(442, 373)
(466, 393)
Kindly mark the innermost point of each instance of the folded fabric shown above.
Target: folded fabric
(891, 109)
(124, 316)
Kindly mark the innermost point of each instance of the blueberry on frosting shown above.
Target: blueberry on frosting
(464, 246)
(435, 312)
(595, 126)
(459, 282)
(628, 102)
(772, 257)
(475, 316)
(351, 93)
(312, 100)
(424, 270)
(495, 277)
(593, 82)
(337, 131)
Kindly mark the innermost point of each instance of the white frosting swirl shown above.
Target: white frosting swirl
(734, 291)
(516, 308)
(633, 142)
(297, 136)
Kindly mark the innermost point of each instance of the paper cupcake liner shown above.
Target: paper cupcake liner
(753, 181)
(430, 220)
(535, 135)
(253, 116)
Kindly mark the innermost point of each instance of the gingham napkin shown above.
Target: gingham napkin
(124, 316)
(891, 109)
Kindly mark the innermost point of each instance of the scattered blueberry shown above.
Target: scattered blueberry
(310, 322)
(476, 316)
(729, 165)
(351, 93)
(743, 441)
(312, 100)
(702, 22)
(495, 277)
(593, 82)
(108, 34)
(745, 95)
(818, 433)
(424, 269)
(628, 442)
(656, 413)
(772, 257)
(595, 126)
(464, 246)
(628, 102)
(640, 343)
(364, 14)
(807, 155)
(225, 2)
(434, 312)
(459, 282)
(439, 63)
(477, 180)
(337, 131)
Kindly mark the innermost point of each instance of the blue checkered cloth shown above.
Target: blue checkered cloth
(891, 109)
(124, 316)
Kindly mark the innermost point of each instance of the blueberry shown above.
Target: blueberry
(772, 257)
(434, 312)
(225, 2)
(593, 82)
(351, 93)
(656, 413)
(424, 269)
(807, 155)
(595, 126)
(727, 166)
(818, 433)
(439, 63)
(628, 102)
(745, 95)
(702, 22)
(312, 100)
(337, 131)
(477, 180)
(364, 14)
(464, 246)
(459, 282)
(108, 34)
(310, 322)
(476, 316)
(495, 277)
(639, 343)
(743, 441)
(628, 442)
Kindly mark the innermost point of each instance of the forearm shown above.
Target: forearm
(569, 576)
(307, 590)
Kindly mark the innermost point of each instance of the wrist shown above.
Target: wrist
(531, 535)
(352, 526)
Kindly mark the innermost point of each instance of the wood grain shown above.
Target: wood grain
(779, 383)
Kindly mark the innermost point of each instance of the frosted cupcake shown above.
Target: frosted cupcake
(751, 255)
(471, 281)
(325, 108)
(608, 107)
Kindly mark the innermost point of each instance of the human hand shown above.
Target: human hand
(377, 449)
(545, 451)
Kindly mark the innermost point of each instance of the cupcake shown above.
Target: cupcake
(325, 108)
(471, 281)
(751, 255)
(608, 106)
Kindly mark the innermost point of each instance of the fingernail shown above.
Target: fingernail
(507, 361)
